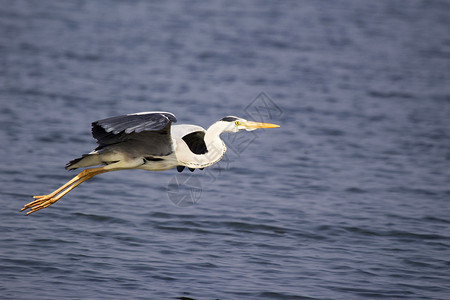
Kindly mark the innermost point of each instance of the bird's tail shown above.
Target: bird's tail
(86, 160)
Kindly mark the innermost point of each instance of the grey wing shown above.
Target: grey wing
(149, 131)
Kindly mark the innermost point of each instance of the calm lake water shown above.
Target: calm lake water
(348, 199)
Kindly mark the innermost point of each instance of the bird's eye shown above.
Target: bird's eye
(237, 123)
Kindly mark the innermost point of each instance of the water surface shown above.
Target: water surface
(348, 199)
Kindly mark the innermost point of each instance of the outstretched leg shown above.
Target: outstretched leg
(46, 200)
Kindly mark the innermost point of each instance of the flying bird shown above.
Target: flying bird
(148, 141)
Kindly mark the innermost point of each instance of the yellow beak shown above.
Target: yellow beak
(255, 125)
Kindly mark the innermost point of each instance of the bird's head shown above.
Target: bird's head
(234, 124)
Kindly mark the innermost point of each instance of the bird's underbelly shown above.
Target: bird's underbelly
(158, 163)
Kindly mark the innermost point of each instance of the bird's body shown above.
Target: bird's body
(148, 141)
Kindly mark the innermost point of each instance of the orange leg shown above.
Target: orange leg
(46, 200)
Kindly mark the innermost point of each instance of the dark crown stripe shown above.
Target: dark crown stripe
(229, 119)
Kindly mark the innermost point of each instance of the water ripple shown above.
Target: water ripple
(347, 200)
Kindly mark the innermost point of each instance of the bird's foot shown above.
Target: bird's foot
(43, 196)
(44, 201)
(41, 202)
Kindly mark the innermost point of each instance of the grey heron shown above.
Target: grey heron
(148, 141)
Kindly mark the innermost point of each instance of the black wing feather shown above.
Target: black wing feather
(136, 122)
(150, 130)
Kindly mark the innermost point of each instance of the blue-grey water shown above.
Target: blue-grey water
(348, 199)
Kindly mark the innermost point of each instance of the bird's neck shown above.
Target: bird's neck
(215, 146)
(212, 137)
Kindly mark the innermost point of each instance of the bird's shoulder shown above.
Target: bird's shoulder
(179, 131)
(192, 135)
